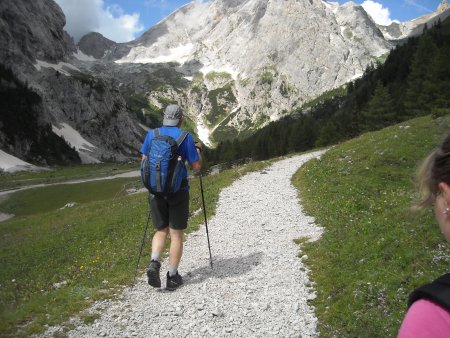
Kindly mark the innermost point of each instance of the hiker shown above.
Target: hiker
(429, 306)
(170, 212)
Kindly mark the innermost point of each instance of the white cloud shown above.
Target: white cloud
(379, 14)
(85, 16)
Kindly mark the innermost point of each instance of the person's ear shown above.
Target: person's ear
(444, 188)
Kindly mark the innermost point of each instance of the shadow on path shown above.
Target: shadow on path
(224, 268)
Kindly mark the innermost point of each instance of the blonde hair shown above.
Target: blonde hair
(434, 169)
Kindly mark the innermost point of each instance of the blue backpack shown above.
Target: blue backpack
(161, 170)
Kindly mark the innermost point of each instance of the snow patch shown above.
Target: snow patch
(356, 76)
(60, 67)
(12, 164)
(74, 139)
(141, 54)
(83, 57)
(204, 133)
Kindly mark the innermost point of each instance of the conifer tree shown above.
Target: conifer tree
(380, 110)
(418, 90)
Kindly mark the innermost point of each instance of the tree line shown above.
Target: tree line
(413, 81)
(22, 130)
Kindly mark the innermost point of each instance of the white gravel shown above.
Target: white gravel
(259, 287)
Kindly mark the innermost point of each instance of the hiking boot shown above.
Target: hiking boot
(173, 281)
(153, 274)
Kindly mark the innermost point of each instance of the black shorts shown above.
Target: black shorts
(172, 211)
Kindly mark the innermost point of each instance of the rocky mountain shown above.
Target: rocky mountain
(96, 45)
(259, 59)
(39, 53)
(235, 65)
(398, 31)
(252, 61)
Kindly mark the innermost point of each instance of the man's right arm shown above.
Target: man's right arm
(197, 165)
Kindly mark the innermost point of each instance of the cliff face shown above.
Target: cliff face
(39, 53)
(32, 30)
(275, 54)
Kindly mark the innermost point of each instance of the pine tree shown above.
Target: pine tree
(328, 134)
(418, 90)
(380, 110)
(439, 83)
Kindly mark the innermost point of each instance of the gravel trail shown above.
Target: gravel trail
(259, 287)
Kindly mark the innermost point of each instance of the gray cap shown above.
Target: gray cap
(172, 115)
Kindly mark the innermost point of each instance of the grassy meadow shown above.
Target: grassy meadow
(375, 250)
(63, 174)
(56, 262)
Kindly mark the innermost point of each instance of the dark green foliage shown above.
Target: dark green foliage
(267, 77)
(165, 101)
(218, 110)
(419, 80)
(414, 81)
(170, 76)
(21, 128)
(379, 111)
(148, 114)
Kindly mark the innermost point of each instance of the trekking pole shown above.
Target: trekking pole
(140, 251)
(206, 221)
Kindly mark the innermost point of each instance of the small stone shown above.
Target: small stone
(217, 313)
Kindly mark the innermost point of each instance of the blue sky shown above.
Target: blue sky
(124, 20)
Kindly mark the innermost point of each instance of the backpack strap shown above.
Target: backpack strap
(437, 291)
(156, 133)
(181, 138)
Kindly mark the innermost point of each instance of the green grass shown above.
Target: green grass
(211, 76)
(374, 250)
(90, 248)
(38, 200)
(62, 174)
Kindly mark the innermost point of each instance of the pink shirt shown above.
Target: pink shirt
(425, 319)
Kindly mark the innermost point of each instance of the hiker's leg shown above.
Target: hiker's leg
(176, 249)
(160, 218)
(158, 241)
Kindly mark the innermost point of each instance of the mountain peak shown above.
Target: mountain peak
(95, 44)
(443, 6)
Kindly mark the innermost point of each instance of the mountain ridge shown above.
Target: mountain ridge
(235, 68)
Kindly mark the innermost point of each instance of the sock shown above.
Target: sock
(172, 270)
(155, 256)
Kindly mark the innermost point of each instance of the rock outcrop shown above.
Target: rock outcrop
(34, 46)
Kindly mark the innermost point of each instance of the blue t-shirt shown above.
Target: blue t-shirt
(188, 151)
